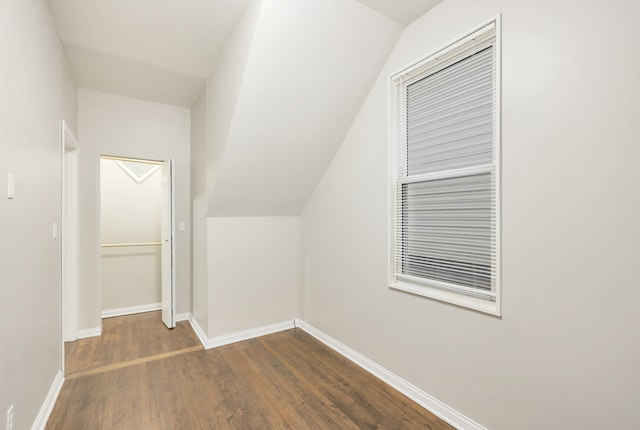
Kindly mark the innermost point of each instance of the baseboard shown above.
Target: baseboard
(239, 336)
(441, 410)
(109, 313)
(202, 336)
(50, 401)
(186, 316)
(89, 332)
(248, 334)
(436, 407)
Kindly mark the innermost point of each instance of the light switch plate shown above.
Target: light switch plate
(182, 226)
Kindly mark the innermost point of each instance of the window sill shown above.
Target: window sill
(480, 305)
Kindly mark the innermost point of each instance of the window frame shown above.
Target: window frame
(398, 82)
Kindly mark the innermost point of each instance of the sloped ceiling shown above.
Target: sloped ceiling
(311, 65)
(163, 50)
(157, 50)
(401, 11)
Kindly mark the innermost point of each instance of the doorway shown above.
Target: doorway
(136, 226)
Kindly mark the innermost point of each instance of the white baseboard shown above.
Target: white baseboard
(108, 313)
(436, 407)
(186, 316)
(89, 332)
(202, 336)
(441, 410)
(239, 336)
(43, 416)
(248, 334)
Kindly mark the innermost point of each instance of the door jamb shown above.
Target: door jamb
(69, 237)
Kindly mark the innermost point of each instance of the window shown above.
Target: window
(446, 173)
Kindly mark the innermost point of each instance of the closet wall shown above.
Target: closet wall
(130, 199)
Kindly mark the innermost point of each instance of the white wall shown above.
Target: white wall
(199, 205)
(253, 272)
(115, 125)
(289, 81)
(310, 66)
(223, 87)
(565, 353)
(211, 118)
(130, 212)
(37, 92)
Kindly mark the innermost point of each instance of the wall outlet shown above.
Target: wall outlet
(10, 418)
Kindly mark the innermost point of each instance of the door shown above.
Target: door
(167, 245)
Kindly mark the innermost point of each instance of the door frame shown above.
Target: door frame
(169, 303)
(69, 237)
(172, 258)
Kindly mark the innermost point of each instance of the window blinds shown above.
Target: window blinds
(450, 117)
(446, 177)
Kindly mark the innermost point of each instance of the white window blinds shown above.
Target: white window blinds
(445, 181)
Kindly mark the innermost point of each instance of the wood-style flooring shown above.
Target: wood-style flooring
(143, 376)
(139, 336)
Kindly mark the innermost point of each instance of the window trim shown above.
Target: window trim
(405, 283)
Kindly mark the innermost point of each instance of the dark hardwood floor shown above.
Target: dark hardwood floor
(286, 380)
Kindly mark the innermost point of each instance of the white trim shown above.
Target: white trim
(448, 46)
(49, 402)
(436, 407)
(70, 141)
(133, 175)
(441, 410)
(108, 313)
(451, 297)
(168, 240)
(186, 316)
(447, 174)
(89, 332)
(70, 245)
(423, 282)
(69, 236)
(249, 334)
(476, 300)
(498, 163)
(239, 336)
(202, 336)
(174, 282)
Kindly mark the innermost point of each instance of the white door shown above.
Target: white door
(167, 238)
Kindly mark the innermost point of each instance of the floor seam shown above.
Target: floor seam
(130, 363)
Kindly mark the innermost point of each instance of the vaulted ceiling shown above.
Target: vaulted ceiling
(163, 50)
(309, 69)
(158, 50)
(284, 79)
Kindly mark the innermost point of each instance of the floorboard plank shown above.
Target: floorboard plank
(127, 338)
(286, 380)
